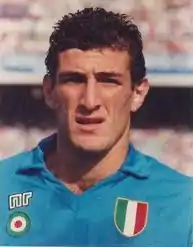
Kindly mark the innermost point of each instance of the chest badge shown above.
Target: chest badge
(18, 224)
(130, 216)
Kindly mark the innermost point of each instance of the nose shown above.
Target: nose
(90, 98)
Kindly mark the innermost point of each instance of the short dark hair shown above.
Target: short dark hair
(94, 28)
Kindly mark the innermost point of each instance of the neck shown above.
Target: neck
(81, 170)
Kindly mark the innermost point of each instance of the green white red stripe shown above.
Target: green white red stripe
(130, 216)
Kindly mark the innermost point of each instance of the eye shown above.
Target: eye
(109, 81)
(110, 78)
(73, 79)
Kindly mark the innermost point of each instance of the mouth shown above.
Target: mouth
(89, 120)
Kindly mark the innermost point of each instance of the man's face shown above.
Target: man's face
(93, 97)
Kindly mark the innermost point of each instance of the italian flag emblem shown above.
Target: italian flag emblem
(18, 224)
(130, 216)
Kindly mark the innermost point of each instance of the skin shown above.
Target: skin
(92, 98)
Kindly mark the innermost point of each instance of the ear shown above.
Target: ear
(139, 93)
(48, 91)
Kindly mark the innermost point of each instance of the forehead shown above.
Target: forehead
(93, 60)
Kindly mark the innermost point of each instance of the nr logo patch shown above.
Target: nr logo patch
(130, 216)
(20, 200)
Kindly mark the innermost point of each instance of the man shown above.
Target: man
(87, 184)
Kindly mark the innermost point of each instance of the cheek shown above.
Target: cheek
(121, 105)
(67, 103)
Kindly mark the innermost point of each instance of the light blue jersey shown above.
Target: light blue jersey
(144, 204)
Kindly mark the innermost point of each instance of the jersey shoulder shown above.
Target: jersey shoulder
(165, 171)
(9, 166)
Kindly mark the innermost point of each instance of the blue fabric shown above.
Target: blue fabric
(59, 217)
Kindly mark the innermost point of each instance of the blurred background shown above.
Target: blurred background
(163, 127)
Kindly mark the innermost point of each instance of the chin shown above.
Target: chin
(92, 146)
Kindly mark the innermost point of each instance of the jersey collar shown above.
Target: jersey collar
(37, 156)
(136, 163)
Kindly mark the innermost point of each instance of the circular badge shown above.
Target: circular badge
(18, 224)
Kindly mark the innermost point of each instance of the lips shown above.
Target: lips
(89, 120)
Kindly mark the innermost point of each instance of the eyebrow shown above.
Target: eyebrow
(108, 74)
(65, 74)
